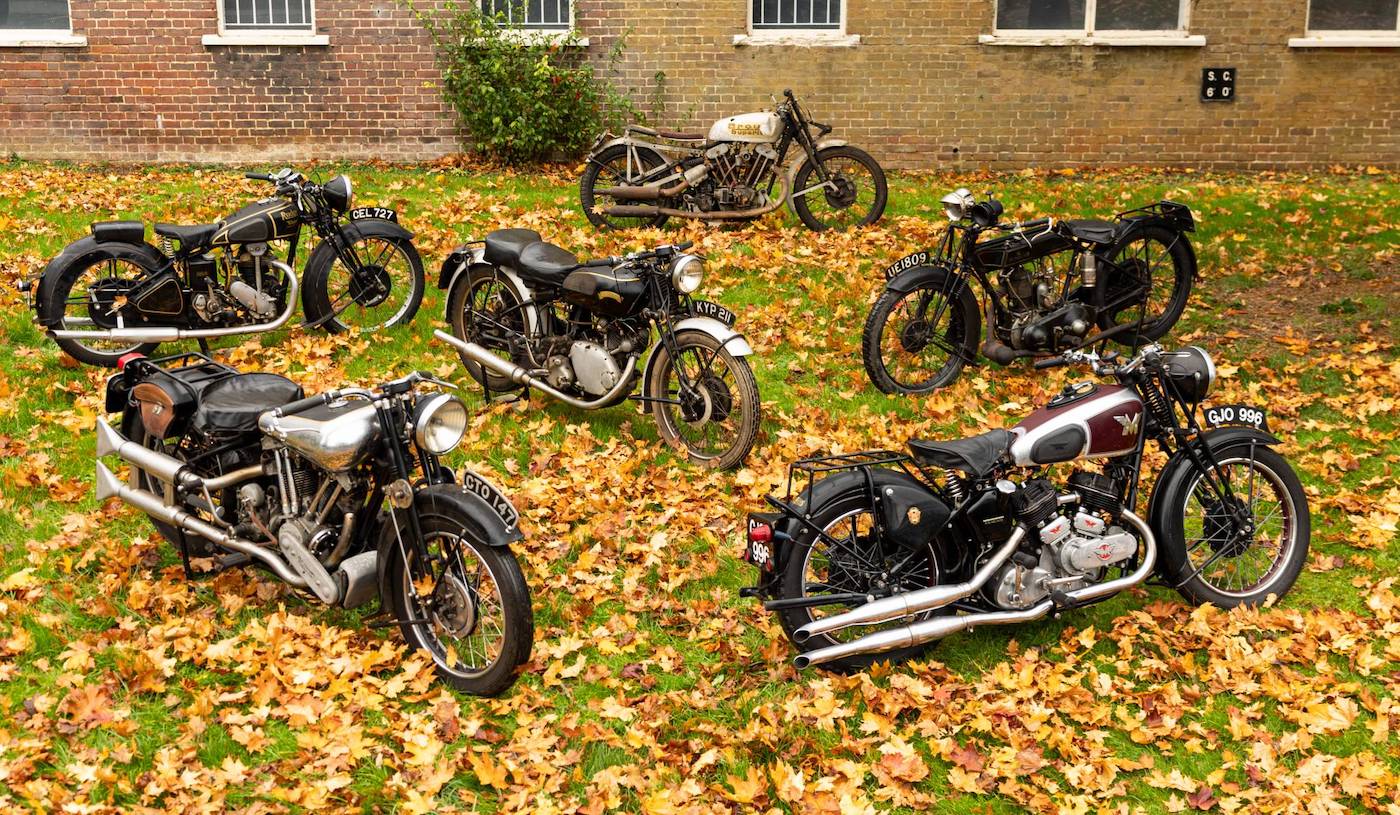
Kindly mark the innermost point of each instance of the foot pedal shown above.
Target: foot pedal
(506, 398)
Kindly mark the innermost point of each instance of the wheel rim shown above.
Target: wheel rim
(613, 173)
(460, 602)
(94, 301)
(380, 294)
(491, 316)
(708, 418)
(828, 569)
(919, 338)
(1144, 259)
(853, 198)
(1240, 568)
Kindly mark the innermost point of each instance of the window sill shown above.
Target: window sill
(797, 39)
(1117, 40)
(1346, 41)
(36, 38)
(526, 36)
(266, 38)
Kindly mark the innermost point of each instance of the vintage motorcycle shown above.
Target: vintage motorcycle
(1045, 285)
(526, 313)
(874, 534)
(112, 293)
(341, 495)
(731, 174)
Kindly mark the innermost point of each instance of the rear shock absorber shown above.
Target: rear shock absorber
(954, 484)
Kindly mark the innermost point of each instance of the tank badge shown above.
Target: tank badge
(609, 295)
(914, 515)
(1130, 423)
(745, 129)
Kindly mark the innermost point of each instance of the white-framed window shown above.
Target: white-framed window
(1093, 22)
(37, 23)
(1351, 23)
(536, 15)
(266, 22)
(798, 23)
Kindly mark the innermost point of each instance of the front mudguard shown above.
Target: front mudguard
(147, 256)
(732, 341)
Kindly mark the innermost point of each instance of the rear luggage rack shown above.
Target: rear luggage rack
(818, 467)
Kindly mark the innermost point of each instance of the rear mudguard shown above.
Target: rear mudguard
(1177, 471)
(1172, 217)
(147, 256)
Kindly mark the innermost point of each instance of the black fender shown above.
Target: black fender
(147, 256)
(1170, 216)
(455, 498)
(1178, 468)
(456, 262)
(912, 278)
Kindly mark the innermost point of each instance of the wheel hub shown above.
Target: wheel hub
(1229, 537)
(370, 286)
(454, 606)
(841, 193)
(106, 299)
(697, 405)
(915, 336)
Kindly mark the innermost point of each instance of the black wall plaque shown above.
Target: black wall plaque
(1217, 84)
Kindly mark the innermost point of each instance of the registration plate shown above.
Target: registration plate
(376, 213)
(488, 492)
(704, 308)
(906, 263)
(1239, 415)
(759, 553)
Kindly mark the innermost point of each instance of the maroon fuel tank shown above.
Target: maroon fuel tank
(1090, 421)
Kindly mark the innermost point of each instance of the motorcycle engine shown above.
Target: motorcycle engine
(1041, 318)
(589, 366)
(737, 171)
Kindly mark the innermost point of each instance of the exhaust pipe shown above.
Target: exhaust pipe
(928, 630)
(166, 333)
(167, 468)
(647, 193)
(625, 211)
(914, 602)
(520, 376)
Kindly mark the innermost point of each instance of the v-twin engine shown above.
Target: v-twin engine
(739, 171)
(1073, 554)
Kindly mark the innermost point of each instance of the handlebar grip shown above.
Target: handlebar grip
(305, 404)
(600, 262)
(684, 245)
(1052, 362)
(258, 176)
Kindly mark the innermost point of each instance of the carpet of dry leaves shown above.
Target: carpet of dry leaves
(653, 688)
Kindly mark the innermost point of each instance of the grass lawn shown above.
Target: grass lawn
(653, 687)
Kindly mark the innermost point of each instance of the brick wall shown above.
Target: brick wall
(918, 91)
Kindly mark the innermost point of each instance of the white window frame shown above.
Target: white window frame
(534, 35)
(1336, 38)
(797, 37)
(1180, 36)
(293, 37)
(43, 37)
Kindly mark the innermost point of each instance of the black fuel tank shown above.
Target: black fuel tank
(606, 291)
(1031, 242)
(267, 220)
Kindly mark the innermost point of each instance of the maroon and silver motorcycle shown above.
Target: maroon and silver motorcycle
(879, 554)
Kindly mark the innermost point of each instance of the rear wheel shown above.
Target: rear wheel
(613, 167)
(487, 310)
(91, 294)
(918, 341)
(1156, 269)
(854, 195)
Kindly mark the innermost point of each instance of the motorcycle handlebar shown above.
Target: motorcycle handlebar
(259, 176)
(1052, 362)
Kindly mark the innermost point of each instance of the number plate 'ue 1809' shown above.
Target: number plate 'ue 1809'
(1237, 415)
(380, 213)
(487, 492)
(906, 263)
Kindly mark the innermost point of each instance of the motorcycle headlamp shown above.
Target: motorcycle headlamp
(439, 423)
(338, 192)
(1192, 372)
(686, 273)
(957, 203)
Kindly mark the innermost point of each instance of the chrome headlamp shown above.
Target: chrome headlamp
(338, 192)
(686, 273)
(439, 423)
(957, 203)
(1192, 371)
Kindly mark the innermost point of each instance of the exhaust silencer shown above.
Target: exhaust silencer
(520, 376)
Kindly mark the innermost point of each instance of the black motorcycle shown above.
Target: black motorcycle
(528, 314)
(1045, 286)
(112, 293)
(341, 495)
(875, 541)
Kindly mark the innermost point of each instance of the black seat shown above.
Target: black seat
(234, 404)
(1101, 232)
(545, 261)
(975, 455)
(503, 246)
(190, 237)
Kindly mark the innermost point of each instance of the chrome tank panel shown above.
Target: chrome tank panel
(336, 436)
(1107, 422)
(758, 128)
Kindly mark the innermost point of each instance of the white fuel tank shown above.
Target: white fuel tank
(763, 127)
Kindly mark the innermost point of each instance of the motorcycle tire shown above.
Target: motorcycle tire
(803, 180)
(195, 545)
(1183, 260)
(325, 311)
(85, 255)
(963, 332)
(614, 160)
(465, 287)
(718, 396)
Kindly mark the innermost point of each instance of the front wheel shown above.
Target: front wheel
(705, 400)
(853, 194)
(467, 606)
(377, 284)
(1237, 547)
(918, 341)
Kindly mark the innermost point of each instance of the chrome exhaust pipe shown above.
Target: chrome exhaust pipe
(520, 376)
(167, 468)
(914, 602)
(108, 486)
(636, 211)
(919, 633)
(159, 333)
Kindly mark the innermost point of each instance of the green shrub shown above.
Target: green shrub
(519, 98)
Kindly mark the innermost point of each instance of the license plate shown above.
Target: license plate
(906, 263)
(759, 553)
(377, 213)
(704, 308)
(487, 491)
(1245, 415)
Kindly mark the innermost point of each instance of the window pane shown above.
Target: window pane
(1138, 15)
(1043, 14)
(34, 14)
(241, 15)
(1352, 15)
(796, 14)
(530, 13)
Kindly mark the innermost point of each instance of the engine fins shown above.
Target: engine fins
(1097, 492)
(1034, 503)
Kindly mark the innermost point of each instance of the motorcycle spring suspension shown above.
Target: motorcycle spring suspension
(953, 483)
(1157, 405)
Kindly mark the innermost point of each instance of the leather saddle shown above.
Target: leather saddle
(194, 238)
(976, 455)
(234, 404)
(526, 252)
(1094, 231)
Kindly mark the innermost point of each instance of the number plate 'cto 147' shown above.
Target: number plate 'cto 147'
(487, 491)
(1246, 415)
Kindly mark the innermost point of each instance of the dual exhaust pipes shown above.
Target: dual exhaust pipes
(909, 604)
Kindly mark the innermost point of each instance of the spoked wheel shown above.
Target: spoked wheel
(854, 194)
(467, 607)
(486, 310)
(858, 562)
(919, 341)
(707, 400)
(384, 291)
(615, 167)
(92, 295)
(1240, 547)
(1153, 281)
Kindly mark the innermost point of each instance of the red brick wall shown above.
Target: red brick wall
(919, 90)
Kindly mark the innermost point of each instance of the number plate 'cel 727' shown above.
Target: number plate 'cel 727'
(380, 213)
